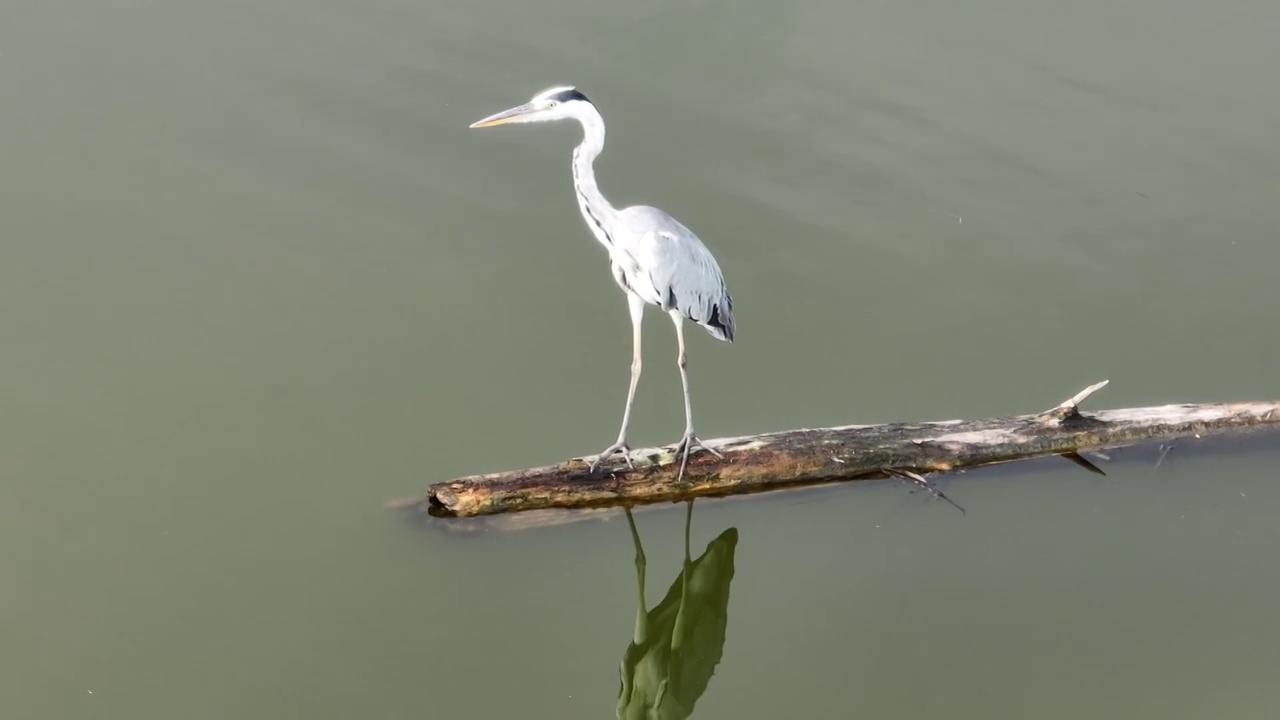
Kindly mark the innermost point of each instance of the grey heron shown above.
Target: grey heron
(654, 259)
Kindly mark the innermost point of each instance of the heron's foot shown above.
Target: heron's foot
(685, 447)
(620, 446)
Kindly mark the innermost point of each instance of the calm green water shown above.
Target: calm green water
(257, 278)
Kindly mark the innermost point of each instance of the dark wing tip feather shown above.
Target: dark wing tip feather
(721, 324)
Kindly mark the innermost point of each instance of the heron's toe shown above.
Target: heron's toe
(691, 442)
(621, 447)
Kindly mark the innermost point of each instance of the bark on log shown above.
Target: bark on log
(757, 463)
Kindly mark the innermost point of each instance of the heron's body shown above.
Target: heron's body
(653, 257)
(667, 266)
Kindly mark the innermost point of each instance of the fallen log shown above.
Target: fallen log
(758, 463)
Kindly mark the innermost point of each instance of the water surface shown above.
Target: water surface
(257, 278)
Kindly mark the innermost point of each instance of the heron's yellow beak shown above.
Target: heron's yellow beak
(505, 116)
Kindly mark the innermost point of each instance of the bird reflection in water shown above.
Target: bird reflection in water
(678, 643)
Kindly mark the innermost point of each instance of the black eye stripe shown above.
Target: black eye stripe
(568, 96)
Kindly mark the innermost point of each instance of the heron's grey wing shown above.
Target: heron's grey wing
(681, 270)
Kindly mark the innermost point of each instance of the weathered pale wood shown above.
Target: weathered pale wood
(771, 461)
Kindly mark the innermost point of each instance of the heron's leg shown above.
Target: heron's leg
(636, 306)
(690, 439)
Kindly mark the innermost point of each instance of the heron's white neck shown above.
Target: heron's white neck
(596, 210)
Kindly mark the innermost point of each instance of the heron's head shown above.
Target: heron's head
(558, 103)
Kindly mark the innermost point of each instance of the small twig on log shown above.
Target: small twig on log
(1070, 408)
(1083, 462)
(920, 480)
(1164, 452)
